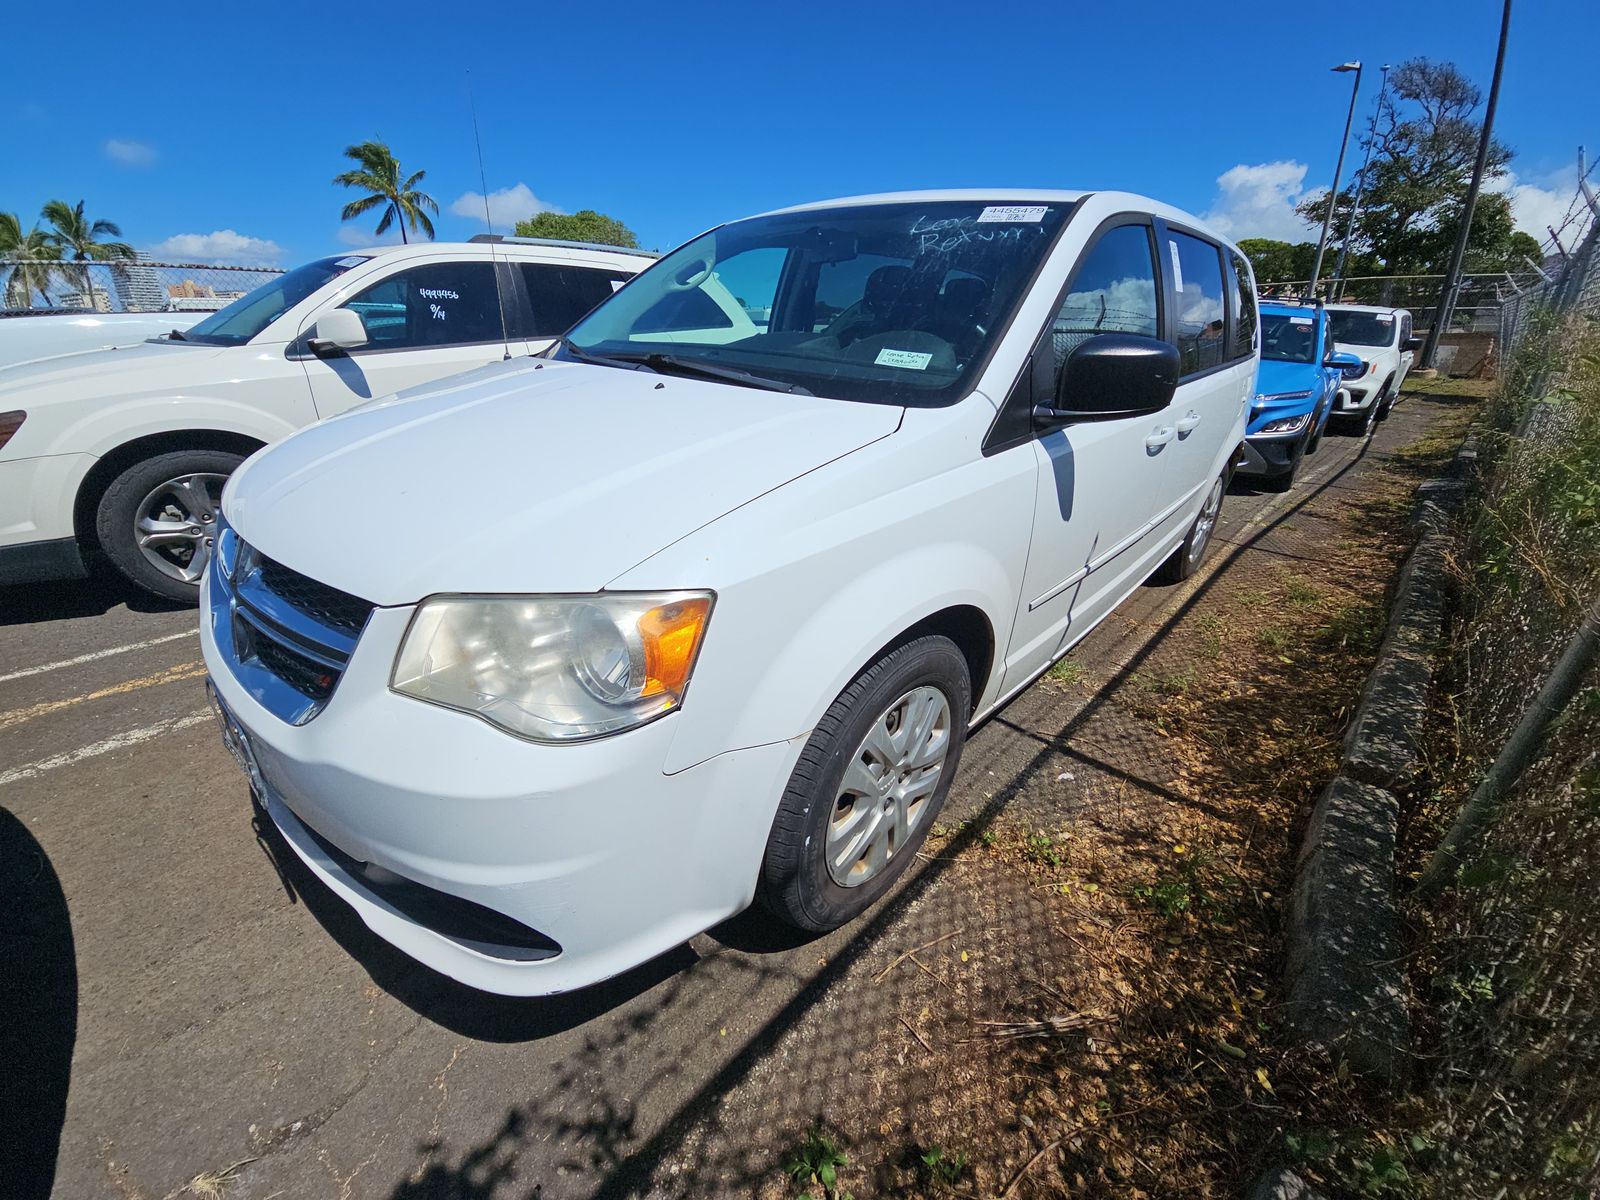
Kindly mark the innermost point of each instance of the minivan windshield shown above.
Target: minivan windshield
(1362, 328)
(254, 311)
(895, 303)
(1288, 337)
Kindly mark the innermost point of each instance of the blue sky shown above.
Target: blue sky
(212, 131)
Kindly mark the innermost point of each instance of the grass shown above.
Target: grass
(1066, 671)
(815, 1163)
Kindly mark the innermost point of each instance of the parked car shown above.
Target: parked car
(1383, 344)
(124, 452)
(1297, 390)
(27, 337)
(551, 668)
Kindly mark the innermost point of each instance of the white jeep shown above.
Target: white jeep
(1382, 339)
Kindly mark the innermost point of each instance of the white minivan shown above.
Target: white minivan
(123, 452)
(600, 647)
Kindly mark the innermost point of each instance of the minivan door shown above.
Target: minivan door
(424, 321)
(1217, 375)
(1098, 480)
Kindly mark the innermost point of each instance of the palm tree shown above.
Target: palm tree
(33, 261)
(75, 235)
(379, 174)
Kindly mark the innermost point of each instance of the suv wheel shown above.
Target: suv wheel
(157, 520)
(868, 786)
(1386, 399)
(1186, 559)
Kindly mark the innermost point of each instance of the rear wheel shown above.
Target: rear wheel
(868, 786)
(1186, 559)
(157, 520)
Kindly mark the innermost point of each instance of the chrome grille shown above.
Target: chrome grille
(286, 637)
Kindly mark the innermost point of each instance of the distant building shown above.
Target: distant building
(188, 290)
(137, 286)
(101, 301)
(197, 303)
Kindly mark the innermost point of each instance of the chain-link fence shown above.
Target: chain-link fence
(124, 285)
(1575, 287)
(1478, 302)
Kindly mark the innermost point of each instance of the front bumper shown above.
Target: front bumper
(1268, 456)
(591, 844)
(1357, 397)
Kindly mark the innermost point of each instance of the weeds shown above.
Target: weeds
(1066, 671)
(815, 1162)
(941, 1167)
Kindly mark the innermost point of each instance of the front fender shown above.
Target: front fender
(99, 431)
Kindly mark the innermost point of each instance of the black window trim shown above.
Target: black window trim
(528, 313)
(1025, 386)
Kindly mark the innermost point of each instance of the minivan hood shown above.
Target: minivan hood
(62, 377)
(530, 476)
(1275, 378)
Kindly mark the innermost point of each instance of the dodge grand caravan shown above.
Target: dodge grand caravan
(698, 608)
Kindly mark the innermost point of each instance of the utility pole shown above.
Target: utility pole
(1338, 169)
(1361, 186)
(1452, 277)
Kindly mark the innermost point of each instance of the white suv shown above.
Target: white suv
(126, 450)
(1382, 339)
(549, 669)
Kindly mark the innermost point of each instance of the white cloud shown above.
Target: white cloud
(1257, 200)
(507, 206)
(223, 246)
(1535, 205)
(129, 153)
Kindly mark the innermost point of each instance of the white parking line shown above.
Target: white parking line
(116, 741)
(97, 654)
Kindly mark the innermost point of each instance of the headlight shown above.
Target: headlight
(1286, 424)
(555, 668)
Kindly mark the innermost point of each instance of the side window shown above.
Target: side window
(559, 295)
(1196, 268)
(439, 304)
(1113, 291)
(1405, 328)
(1244, 315)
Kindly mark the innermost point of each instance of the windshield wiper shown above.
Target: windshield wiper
(666, 363)
(176, 336)
(600, 360)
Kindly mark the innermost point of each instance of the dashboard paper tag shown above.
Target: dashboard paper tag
(1300, 321)
(911, 359)
(1031, 213)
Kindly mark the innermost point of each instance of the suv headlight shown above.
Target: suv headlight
(1286, 424)
(555, 668)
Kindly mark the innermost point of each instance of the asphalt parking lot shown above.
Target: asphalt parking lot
(194, 1012)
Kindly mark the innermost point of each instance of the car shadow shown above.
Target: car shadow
(38, 1011)
(104, 590)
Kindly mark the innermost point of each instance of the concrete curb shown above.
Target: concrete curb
(1282, 1184)
(1346, 991)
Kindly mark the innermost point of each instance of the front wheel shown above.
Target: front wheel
(1186, 559)
(1386, 400)
(157, 520)
(868, 786)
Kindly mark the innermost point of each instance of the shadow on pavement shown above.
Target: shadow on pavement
(104, 590)
(38, 1012)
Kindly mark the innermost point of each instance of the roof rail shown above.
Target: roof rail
(1311, 301)
(565, 245)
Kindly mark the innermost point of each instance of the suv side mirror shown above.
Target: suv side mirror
(337, 329)
(1341, 358)
(1112, 375)
(1411, 345)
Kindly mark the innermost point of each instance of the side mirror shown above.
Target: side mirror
(1112, 375)
(338, 329)
(1341, 359)
(1411, 345)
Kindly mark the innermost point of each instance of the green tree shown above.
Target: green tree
(1424, 140)
(379, 176)
(78, 238)
(584, 226)
(34, 261)
(1276, 261)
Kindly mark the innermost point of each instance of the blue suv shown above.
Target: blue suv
(1296, 386)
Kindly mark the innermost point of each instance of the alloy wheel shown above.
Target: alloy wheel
(175, 525)
(1205, 524)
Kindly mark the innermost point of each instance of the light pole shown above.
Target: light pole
(1361, 186)
(1338, 169)
(1452, 277)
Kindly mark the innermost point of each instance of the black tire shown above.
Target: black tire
(1359, 425)
(1386, 399)
(1191, 552)
(115, 516)
(795, 884)
(1314, 437)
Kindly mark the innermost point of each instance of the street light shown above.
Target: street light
(1361, 186)
(1333, 196)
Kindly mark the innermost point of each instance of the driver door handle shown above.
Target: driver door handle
(1159, 437)
(1187, 422)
